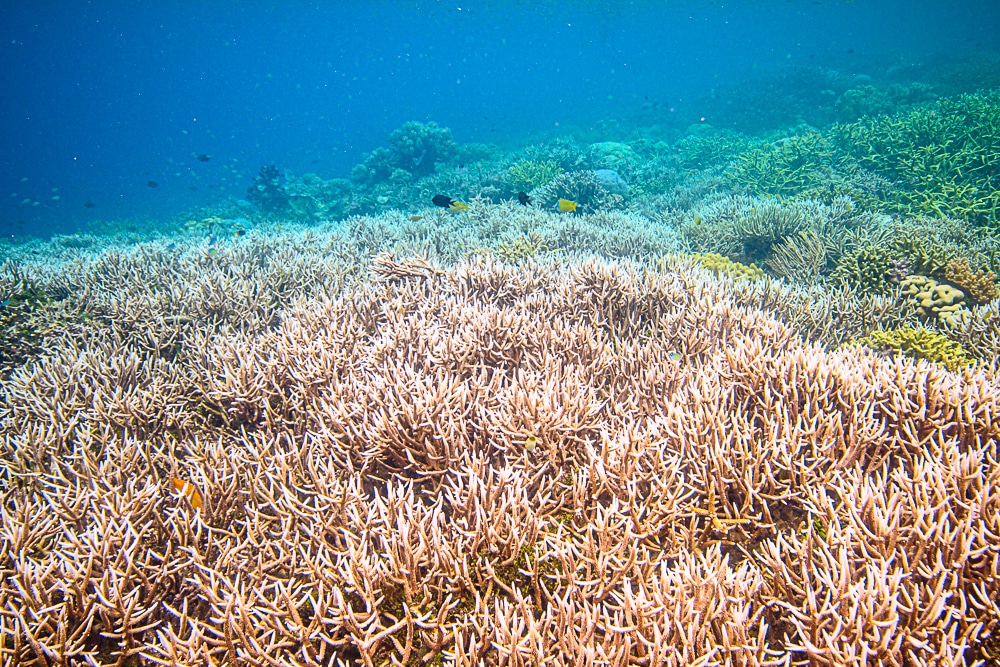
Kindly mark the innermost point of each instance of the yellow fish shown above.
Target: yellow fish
(414, 218)
(458, 207)
(567, 206)
(189, 491)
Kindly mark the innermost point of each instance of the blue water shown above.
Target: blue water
(103, 98)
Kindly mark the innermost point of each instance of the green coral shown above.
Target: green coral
(919, 343)
(703, 149)
(877, 269)
(792, 166)
(527, 175)
(867, 269)
(923, 258)
(721, 265)
(942, 153)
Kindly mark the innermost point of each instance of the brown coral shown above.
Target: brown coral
(981, 286)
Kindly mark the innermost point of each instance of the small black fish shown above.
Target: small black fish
(523, 199)
(152, 184)
(204, 157)
(444, 201)
(89, 204)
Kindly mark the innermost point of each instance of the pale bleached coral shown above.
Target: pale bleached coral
(701, 484)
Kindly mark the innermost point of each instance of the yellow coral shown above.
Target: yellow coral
(919, 343)
(720, 265)
(521, 248)
(933, 299)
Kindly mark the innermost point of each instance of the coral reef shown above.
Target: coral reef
(268, 190)
(418, 147)
(798, 165)
(919, 343)
(940, 151)
(614, 156)
(802, 257)
(704, 146)
(694, 422)
(582, 187)
(523, 247)
(23, 327)
(364, 480)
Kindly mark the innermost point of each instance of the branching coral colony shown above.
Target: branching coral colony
(562, 461)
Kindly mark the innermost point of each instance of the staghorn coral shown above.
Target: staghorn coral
(700, 483)
(870, 268)
(747, 226)
(919, 343)
(704, 146)
(802, 257)
(523, 247)
(938, 151)
(791, 166)
(527, 175)
(582, 187)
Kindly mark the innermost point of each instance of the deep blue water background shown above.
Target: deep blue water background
(101, 97)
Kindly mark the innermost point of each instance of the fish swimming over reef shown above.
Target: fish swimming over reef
(444, 201)
(566, 206)
(523, 199)
(204, 157)
(152, 184)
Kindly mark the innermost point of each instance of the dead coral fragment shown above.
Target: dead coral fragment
(920, 343)
(385, 266)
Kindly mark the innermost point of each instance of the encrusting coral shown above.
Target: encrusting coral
(566, 460)
(919, 343)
